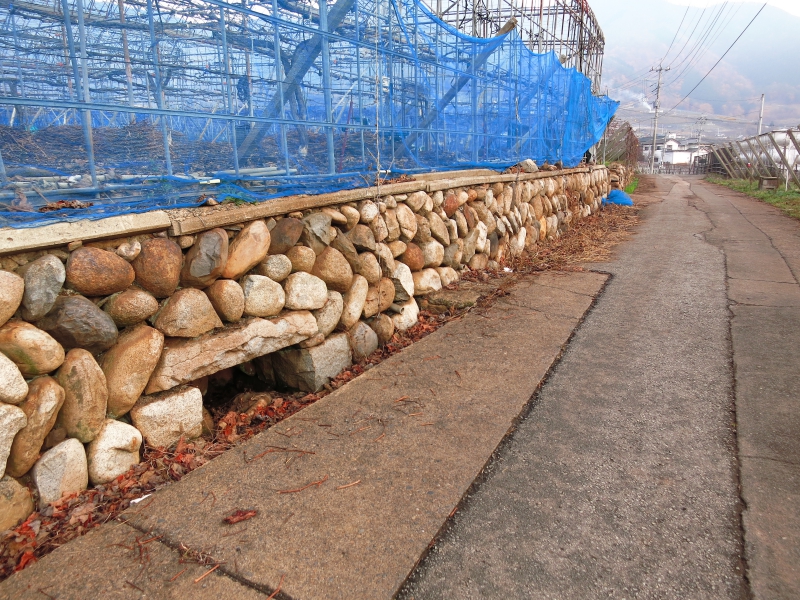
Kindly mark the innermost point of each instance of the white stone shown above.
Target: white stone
(452, 229)
(263, 297)
(385, 259)
(408, 316)
(426, 281)
(517, 243)
(61, 470)
(417, 200)
(328, 316)
(310, 369)
(448, 275)
(304, 292)
(12, 419)
(13, 388)
(354, 301)
(481, 243)
(164, 418)
(433, 253)
(368, 211)
(113, 451)
(277, 267)
(403, 282)
(185, 360)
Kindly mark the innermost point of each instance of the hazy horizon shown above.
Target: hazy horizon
(639, 34)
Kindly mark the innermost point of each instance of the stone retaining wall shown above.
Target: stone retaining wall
(108, 344)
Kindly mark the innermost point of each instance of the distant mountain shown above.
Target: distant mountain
(765, 60)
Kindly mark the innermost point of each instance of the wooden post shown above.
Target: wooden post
(722, 162)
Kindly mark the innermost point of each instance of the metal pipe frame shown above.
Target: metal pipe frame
(393, 48)
(789, 170)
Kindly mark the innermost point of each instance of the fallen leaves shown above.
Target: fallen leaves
(239, 516)
(238, 417)
(59, 204)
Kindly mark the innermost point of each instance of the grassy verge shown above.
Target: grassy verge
(788, 202)
(632, 186)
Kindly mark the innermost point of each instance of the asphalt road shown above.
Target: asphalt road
(661, 457)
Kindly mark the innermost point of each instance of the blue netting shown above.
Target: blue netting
(391, 89)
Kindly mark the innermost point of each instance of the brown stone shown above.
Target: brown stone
(371, 303)
(302, 258)
(383, 326)
(187, 313)
(471, 217)
(95, 272)
(423, 234)
(407, 221)
(41, 406)
(413, 257)
(343, 244)
(128, 366)
(12, 288)
(34, 351)
(332, 267)
(392, 225)
(438, 229)
(450, 205)
(362, 238)
(386, 293)
(85, 396)
(158, 266)
(185, 360)
(76, 322)
(130, 307)
(317, 231)
(227, 298)
(370, 268)
(206, 259)
(478, 262)
(248, 249)
(285, 235)
(16, 503)
(397, 248)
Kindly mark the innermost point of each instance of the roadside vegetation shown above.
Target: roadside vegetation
(787, 201)
(631, 187)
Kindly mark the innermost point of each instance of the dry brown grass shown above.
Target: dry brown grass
(591, 240)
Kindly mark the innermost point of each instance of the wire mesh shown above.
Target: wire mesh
(145, 104)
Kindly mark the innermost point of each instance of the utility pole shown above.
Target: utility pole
(660, 70)
(761, 115)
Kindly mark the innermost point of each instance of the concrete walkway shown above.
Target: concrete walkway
(674, 408)
(659, 459)
(351, 491)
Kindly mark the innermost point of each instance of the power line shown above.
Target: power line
(700, 18)
(707, 47)
(677, 31)
(720, 58)
(708, 28)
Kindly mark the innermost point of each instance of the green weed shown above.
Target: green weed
(787, 201)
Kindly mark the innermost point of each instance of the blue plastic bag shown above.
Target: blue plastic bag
(618, 197)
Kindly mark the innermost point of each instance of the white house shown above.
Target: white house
(672, 151)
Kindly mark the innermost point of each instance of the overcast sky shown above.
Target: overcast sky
(689, 36)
